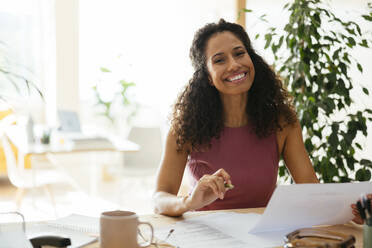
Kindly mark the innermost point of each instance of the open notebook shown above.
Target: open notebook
(82, 230)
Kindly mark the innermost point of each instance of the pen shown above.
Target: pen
(229, 186)
(169, 234)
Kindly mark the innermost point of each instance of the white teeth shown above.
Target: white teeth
(237, 77)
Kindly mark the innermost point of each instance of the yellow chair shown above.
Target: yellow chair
(27, 160)
(26, 178)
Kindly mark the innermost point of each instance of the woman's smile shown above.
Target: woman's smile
(237, 78)
(229, 65)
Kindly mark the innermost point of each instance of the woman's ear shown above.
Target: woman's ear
(210, 80)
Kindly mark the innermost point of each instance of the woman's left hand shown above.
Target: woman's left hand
(357, 218)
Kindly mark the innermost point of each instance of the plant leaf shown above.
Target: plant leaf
(365, 90)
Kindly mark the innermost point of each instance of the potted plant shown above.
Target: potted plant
(116, 104)
(313, 57)
(10, 77)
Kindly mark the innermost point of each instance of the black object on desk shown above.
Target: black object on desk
(50, 240)
(38, 240)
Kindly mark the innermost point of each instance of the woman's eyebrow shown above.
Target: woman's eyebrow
(221, 53)
(238, 47)
(217, 54)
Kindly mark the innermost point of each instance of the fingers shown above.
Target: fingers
(226, 177)
(357, 218)
(214, 182)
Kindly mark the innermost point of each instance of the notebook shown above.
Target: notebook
(82, 230)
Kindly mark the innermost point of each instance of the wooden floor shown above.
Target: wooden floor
(7, 190)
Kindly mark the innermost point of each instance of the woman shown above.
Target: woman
(230, 125)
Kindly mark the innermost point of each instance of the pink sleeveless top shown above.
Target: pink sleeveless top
(252, 163)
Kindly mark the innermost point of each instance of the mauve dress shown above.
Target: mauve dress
(252, 163)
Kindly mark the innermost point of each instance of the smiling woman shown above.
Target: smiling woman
(230, 125)
(230, 67)
(219, 54)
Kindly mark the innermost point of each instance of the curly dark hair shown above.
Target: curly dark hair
(198, 112)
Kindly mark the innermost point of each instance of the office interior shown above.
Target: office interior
(81, 55)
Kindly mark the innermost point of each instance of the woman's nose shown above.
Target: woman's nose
(233, 65)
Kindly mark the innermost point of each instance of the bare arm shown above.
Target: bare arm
(169, 180)
(296, 157)
(206, 191)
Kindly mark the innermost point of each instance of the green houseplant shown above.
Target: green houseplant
(9, 77)
(314, 60)
(118, 106)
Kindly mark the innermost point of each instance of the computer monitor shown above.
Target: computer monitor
(69, 121)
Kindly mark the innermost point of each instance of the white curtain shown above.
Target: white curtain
(27, 49)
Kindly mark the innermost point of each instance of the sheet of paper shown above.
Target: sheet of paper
(225, 229)
(305, 205)
(77, 222)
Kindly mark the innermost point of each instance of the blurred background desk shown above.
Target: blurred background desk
(17, 137)
(66, 147)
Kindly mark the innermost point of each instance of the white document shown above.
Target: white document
(290, 207)
(305, 205)
(77, 222)
(225, 229)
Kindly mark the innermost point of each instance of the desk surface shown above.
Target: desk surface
(160, 221)
(16, 135)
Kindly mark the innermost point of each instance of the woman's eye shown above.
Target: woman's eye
(218, 61)
(240, 53)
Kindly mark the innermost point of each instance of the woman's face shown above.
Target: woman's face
(230, 67)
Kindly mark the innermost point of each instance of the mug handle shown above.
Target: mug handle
(152, 234)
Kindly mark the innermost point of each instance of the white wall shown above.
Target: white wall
(67, 54)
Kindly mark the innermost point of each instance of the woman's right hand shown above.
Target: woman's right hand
(208, 189)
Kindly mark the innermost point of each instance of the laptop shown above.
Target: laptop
(69, 121)
(71, 128)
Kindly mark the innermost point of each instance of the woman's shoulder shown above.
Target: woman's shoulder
(286, 124)
(285, 129)
(172, 142)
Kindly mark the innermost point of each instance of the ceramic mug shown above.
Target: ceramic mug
(118, 229)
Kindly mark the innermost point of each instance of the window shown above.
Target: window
(26, 37)
(153, 39)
